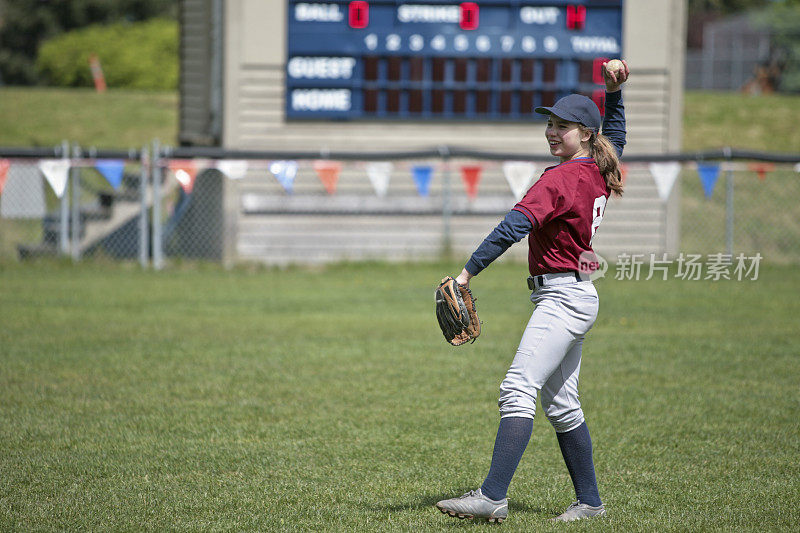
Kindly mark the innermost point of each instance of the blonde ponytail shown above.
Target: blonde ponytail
(605, 155)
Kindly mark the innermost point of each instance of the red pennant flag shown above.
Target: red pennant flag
(623, 171)
(4, 165)
(761, 169)
(471, 174)
(328, 172)
(185, 172)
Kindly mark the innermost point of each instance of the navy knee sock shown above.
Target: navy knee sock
(576, 447)
(512, 439)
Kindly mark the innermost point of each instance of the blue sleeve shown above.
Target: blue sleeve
(511, 229)
(614, 121)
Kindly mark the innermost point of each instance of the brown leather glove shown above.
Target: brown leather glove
(456, 312)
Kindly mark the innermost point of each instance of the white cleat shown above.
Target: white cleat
(475, 505)
(580, 511)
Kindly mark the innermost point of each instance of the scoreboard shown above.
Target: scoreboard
(488, 60)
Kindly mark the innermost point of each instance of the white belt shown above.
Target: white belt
(559, 278)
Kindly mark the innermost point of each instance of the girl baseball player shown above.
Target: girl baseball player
(560, 215)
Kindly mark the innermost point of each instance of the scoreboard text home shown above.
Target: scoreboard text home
(495, 60)
(334, 76)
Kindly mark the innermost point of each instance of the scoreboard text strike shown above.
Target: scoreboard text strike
(484, 60)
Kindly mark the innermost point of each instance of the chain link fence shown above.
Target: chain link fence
(158, 205)
(750, 209)
(735, 51)
(29, 211)
(192, 220)
(747, 52)
(112, 219)
(65, 203)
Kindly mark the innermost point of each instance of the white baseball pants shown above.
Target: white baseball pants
(549, 355)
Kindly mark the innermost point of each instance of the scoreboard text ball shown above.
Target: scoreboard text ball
(410, 60)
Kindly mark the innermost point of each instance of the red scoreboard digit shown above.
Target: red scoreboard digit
(469, 16)
(576, 17)
(358, 14)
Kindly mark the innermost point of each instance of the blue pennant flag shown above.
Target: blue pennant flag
(422, 178)
(708, 177)
(112, 170)
(284, 172)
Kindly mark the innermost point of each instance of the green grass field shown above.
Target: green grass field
(327, 400)
(43, 116)
(765, 122)
(254, 399)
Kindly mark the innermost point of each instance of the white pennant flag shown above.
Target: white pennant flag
(235, 169)
(519, 175)
(56, 171)
(379, 174)
(797, 167)
(664, 175)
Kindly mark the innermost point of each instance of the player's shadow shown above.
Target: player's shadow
(423, 501)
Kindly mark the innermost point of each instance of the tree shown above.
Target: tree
(725, 7)
(26, 23)
(783, 20)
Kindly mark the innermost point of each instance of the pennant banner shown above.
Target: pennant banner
(665, 174)
(185, 172)
(797, 167)
(234, 169)
(23, 194)
(761, 169)
(284, 172)
(4, 164)
(112, 170)
(708, 177)
(57, 173)
(422, 178)
(519, 175)
(379, 175)
(328, 172)
(471, 176)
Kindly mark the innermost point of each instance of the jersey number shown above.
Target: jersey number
(597, 214)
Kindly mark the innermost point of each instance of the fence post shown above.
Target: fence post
(156, 172)
(143, 226)
(447, 208)
(63, 234)
(75, 178)
(728, 202)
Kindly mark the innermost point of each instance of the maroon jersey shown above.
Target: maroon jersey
(565, 207)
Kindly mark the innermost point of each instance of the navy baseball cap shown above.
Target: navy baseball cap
(575, 108)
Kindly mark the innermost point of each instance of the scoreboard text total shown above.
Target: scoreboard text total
(485, 60)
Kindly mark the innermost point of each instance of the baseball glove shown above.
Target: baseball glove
(456, 312)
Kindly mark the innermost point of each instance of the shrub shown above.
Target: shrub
(135, 56)
(25, 24)
(784, 21)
